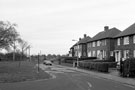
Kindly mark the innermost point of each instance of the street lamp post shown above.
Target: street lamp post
(77, 51)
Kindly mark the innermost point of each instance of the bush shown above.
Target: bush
(98, 66)
(129, 67)
(68, 59)
(110, 63)
(87, 58)
(111, 59)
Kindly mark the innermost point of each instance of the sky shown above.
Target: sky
(50, 25)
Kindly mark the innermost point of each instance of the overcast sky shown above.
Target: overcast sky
(50, 25)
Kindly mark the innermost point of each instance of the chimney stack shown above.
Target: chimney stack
(106, 28)
(85, 35)
(79, 39)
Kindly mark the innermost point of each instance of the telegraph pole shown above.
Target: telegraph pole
(38, 62)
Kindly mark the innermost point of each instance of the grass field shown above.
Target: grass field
(11, 72)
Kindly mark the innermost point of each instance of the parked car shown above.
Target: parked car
(47, 62)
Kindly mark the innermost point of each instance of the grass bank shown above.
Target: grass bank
(11, 72)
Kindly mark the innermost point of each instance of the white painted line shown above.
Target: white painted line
(129, 85)
(89, 84)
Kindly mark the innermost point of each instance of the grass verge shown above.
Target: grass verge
(11, 72)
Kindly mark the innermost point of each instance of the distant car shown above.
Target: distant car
(47, 62)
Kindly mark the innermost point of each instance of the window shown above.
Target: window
(103, 42)
(118, 41)
(89, 54)
(89, 45)
(134, 53)
(98, 43)
(105, 53)
(93, 44)
(126, 40)
(94, 53)
(111, 53)
(126, 54)
(98, 54)
(134, 39)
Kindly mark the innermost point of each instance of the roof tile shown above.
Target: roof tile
(106, 34)
(128, 31)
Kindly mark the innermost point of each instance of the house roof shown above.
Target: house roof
(84, 40)
(128, 31)
(73, 45)
(106, 34)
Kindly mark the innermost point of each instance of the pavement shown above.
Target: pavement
(112, 75)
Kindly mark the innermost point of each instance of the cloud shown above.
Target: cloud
(57, 22)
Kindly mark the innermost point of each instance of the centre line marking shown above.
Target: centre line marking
(89, 84)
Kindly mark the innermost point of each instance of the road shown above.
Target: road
(67, 79)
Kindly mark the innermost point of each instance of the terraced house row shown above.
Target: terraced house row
(106, 44)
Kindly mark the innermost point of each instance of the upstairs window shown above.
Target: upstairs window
(98, 43)
(103, 42)
(134, 53)
(126, 40)
(93, 44)
(118, 41)
(134, 39)
(89, 45)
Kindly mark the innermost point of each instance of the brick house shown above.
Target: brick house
(82, 44)
(102, 44)
(80, 48)
(125, 44)
(72, 51)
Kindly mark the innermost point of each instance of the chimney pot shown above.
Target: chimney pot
(79, 39)
(85, 35)
(106, 28)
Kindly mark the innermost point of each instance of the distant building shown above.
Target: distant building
(82, 44)
(80, 48)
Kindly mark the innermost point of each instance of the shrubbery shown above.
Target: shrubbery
(128, 68)
(98, 66)
(68, 59)
(87, 58)
(9, 57)
(72, 59)
(110, 63)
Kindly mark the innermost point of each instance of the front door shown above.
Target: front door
(118, 56)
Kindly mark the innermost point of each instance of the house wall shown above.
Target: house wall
(83, 50)
(122, 47)
(109, 46)
(72, 52)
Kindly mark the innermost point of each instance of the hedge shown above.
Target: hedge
(72, 59)
(110, 64)
(87, 58)
(98, 66)
(128, 67)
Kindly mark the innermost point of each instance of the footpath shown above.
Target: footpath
(113, 75)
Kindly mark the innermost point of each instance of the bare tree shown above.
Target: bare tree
(23, 46)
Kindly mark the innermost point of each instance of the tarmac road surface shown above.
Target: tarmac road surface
(67, 79)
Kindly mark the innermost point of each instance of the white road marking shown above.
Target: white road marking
(89, 84)
(129, 85)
